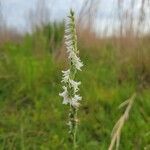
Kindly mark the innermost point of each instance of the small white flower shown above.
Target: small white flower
(74, 101)
(69, 49)
(77, 98)
(68, 37)
(68, 43)
(69, 123)
(67, 30)
(78, 64)
(75, 85)
(65, 96)
(67, 23)
(75, 60)
(66, 76)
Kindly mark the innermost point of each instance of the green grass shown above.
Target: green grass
(32, 116)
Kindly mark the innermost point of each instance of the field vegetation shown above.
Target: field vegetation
(32, 116)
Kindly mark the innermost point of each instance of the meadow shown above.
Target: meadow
(32, 116)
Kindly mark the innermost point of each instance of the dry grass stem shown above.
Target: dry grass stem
(116, 132)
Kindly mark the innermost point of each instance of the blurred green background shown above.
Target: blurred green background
(32, 116)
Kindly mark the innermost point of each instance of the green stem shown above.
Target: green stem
(73, 126)
(75, 130)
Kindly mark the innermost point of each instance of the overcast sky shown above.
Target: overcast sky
(16, 12)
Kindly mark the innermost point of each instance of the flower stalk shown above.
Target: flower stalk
(70, 86)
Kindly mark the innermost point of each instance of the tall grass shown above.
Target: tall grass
(116, 132)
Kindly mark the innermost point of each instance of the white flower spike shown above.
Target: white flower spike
(71, 87)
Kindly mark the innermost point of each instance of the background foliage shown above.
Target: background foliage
(32, 116)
